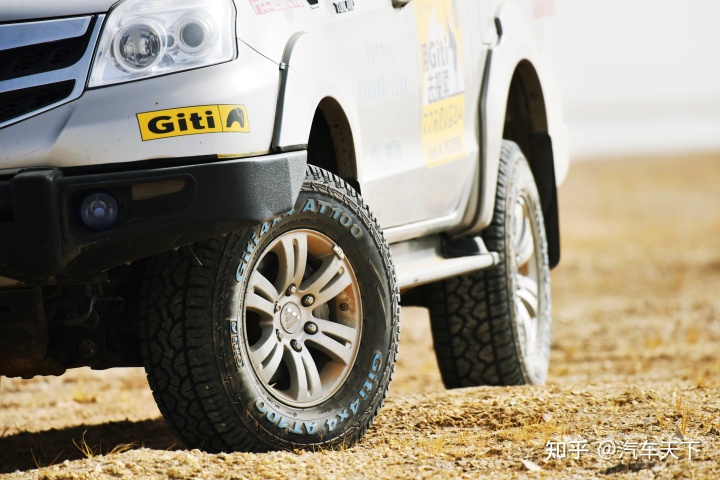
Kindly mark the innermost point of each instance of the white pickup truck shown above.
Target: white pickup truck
(235, 194)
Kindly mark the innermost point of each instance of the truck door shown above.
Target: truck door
(453, 37)
(381, 58)
(418, 124)
(408, 74)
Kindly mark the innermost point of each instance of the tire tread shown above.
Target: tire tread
(470, 314)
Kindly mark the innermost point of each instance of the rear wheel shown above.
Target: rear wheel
(492, 327)
(282, 336)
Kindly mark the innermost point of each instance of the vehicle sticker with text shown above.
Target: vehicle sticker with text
(193, 121)
(544, 8)
(443, 81)
(267, 6)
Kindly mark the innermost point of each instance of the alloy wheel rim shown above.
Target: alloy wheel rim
(526, 272)
(302, 318)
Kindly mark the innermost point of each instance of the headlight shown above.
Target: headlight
(143, 38)
(139, 47)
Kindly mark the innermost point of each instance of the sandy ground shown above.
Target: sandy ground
(633, 390)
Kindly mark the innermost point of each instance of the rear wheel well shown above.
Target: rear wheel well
(526, 125)
(331, 145)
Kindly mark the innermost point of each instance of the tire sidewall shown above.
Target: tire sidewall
(520, 180)
(345, 415)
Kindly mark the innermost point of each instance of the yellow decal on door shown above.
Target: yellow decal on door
(443, 81)
(192, 121)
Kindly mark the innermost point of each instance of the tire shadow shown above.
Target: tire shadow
(30, 450)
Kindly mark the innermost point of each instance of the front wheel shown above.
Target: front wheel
(282, 336)
(492, 327)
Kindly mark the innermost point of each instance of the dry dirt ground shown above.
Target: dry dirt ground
(633, 389)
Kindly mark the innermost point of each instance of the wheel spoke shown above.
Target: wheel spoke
(529, 325)
(260, 305)
(267, 354)
(518, 220)
(339, 283)
(305, 384)
(528, 293)
(336, 330)
(260, 284)
(328, 281)
(524, 246)
(292, 255)
(340, 351)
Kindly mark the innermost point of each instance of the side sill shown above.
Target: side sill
(421, 261)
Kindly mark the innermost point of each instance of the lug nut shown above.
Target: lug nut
(279, 334)
(277, 307)
(311, 328)
(290, 290)
(308, 300)
(296, 346)
(344, 307)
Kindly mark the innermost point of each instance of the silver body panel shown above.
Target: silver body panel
(370, 60)
(101, 128)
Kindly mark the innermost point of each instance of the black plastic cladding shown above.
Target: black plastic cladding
(43, 240)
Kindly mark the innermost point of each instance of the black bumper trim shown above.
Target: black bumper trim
(43, 240)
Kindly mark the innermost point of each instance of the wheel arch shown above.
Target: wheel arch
(330, 142)
(526, 124)
(315, 108)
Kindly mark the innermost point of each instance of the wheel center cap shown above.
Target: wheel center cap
(290, 318)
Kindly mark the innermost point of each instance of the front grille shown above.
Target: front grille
(44, 64)
(19, 102)
(45, 57)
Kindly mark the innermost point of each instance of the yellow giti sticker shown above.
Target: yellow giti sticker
(443, 80)
(193, 120)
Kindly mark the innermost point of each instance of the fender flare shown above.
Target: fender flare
(501, 64)
(307, 77)
(504, 59)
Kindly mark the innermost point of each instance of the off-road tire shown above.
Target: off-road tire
(203, 330)
(478, 332)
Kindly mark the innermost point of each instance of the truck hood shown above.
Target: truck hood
(18, 10)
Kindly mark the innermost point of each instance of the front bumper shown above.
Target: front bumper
(43, 239)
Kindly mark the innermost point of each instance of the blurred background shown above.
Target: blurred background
(640, 76)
